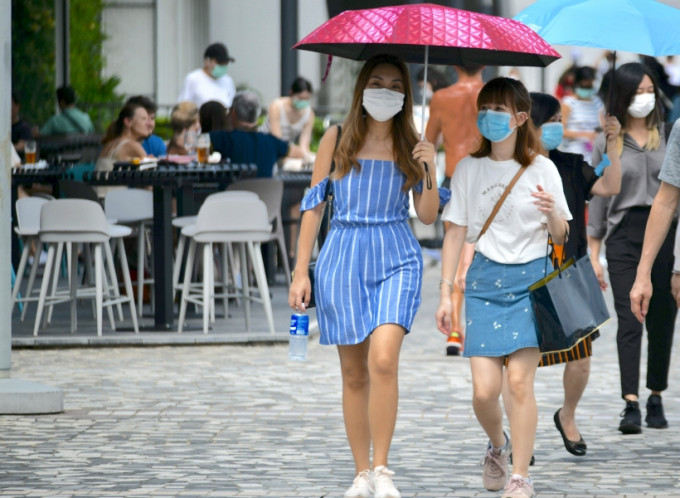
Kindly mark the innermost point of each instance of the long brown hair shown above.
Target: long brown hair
(515, 95)
(117, 127)
(404, 134)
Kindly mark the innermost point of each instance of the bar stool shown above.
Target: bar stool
(243, 222)
(74, 221)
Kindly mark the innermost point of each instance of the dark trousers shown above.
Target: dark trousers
(624, 248)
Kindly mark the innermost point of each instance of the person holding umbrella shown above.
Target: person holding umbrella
(369, 271)
(620, 221)
(510, 256)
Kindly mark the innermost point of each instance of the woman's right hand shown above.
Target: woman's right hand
(300, 291)
(443, 315)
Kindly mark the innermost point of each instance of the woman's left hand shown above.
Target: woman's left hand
(425, 153)
(544, 200)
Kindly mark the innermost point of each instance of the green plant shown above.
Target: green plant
(33, 58)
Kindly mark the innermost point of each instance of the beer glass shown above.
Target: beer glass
(30, 150)
(203, 148)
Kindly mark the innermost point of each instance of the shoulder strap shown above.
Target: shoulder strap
(497, 207)
(73, 121)
(667, 127)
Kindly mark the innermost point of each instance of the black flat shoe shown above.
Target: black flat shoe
(577, 448)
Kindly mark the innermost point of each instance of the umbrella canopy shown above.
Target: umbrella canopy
(452, 36)
(640, 26)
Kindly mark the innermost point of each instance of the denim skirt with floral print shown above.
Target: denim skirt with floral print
(499, 319)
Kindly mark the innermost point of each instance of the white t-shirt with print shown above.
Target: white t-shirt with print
(518, 233)
(200, 88)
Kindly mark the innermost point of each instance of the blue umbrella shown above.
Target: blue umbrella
(641, 26)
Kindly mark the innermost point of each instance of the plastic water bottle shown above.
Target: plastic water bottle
(299, 333)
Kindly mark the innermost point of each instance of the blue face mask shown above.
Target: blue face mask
(551, 135)
(494, 125)
(300, 104)
(219, 71)
(584, 93)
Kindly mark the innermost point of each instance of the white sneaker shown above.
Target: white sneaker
(362, 487)
(382, 482)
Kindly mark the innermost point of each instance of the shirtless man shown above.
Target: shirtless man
(453, 119)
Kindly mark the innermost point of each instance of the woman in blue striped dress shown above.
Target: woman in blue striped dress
(369, 272)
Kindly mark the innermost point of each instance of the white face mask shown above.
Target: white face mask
(382, 104)
(642, 105)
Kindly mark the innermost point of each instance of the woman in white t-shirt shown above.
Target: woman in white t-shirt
(510, 256)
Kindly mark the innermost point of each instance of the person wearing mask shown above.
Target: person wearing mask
(620, 222)
(213, 117)
(291, 118)
(580, 183)
(21, 130)
(582, 115)
(211, 82)
(369, 271)
(70, 120)
(153, 144)
(185, 128)
(510, 256)
(244, 144)
(453, 117)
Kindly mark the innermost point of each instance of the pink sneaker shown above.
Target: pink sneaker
(518, 487)
(362, 487)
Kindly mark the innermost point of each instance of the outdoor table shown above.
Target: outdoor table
(164, 179)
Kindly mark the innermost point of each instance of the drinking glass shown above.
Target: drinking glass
(203, 148)
(30, 151)
(190, 141)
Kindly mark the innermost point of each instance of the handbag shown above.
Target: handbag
(568, 305)
(325, 224)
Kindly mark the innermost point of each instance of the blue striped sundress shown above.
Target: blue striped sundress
(369, 270)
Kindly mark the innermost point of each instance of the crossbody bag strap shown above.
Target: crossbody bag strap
(497, 207)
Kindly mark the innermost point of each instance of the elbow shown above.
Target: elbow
(428, 219)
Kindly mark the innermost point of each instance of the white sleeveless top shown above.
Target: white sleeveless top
(289, 131)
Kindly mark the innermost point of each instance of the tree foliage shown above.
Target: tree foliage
(34, 59)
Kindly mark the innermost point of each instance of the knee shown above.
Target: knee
(355, 378)
(520, 389)
(578, 367)
(484, 395)
(382, 365)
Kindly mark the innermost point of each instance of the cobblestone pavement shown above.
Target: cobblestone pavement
(234, 420)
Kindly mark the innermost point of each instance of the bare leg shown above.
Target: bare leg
(523, 415)
(487, 375)
(355, 390)
(383, 366)
(575, 380)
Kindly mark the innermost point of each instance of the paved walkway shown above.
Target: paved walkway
(240, 420)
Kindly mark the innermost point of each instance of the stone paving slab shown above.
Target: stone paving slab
(241, 420)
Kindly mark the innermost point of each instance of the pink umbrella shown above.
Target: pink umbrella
(431, 34)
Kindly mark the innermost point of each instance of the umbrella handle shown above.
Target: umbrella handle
(428, 180)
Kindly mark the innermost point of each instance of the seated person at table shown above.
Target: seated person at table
(21, 130)
(211, 82)
(69, 120)
(124, 136)
(244, 144)
(291, 118)
(153, 144)
(184, 121)
(213, 117)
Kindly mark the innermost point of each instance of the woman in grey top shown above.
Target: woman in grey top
(620, 221)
